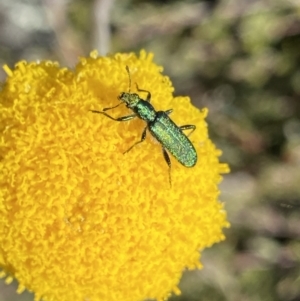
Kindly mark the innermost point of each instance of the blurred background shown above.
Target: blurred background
(239, 58)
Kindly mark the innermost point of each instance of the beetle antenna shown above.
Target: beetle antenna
(127, 69)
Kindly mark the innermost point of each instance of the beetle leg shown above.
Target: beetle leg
(123, 118)
(188, 127)
(148, 98)
(142, 139)
(106, 109)
(168, 112)
(167, 159)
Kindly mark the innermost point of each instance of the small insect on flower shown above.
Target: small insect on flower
(159, 124)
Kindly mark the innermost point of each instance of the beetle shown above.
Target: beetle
(159, 124)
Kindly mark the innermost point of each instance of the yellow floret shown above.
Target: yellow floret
(78, 219)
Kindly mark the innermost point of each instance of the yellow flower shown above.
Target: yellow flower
(78, 219)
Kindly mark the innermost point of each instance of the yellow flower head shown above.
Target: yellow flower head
(80, 220)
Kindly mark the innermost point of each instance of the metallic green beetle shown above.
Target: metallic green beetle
(159, 124)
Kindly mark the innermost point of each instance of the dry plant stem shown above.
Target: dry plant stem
(67, 45)
(101, 33)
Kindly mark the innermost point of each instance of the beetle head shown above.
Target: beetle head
(130, 99)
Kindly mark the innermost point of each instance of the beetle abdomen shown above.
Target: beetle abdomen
(173, 139)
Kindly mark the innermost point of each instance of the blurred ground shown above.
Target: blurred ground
(239, 58)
